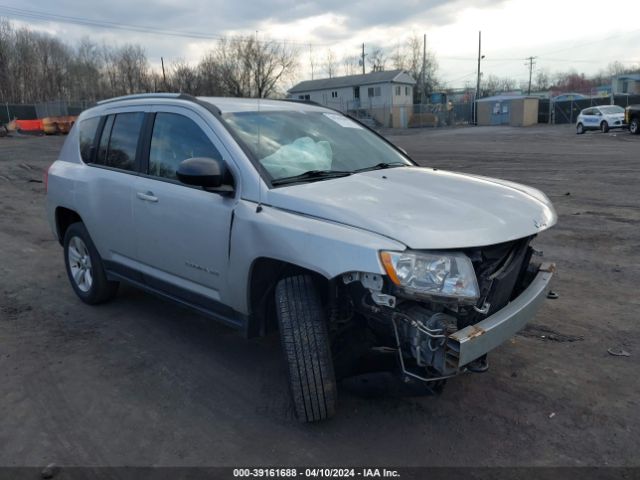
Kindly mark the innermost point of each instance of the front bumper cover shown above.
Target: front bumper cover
(472, 342)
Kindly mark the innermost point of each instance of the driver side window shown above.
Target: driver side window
(176, 138)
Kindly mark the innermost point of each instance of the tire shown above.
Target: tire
(634, 126)
(604, 127)
(84, 267)
(305, 341)
(580, 129)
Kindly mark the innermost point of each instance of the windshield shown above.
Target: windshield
(611, 109)
(292, 143)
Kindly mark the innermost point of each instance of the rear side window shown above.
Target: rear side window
(88, 129)
(119, 141)
(176, 138)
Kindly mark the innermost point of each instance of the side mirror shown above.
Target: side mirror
(201, 172)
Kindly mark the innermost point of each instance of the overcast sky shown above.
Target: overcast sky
(585, 36)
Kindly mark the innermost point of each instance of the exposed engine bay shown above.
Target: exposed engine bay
(422, 329)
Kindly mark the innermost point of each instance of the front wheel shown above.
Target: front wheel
(84, 267)
(604, 126)
(634, 126)
(580, 129)
(305, 340)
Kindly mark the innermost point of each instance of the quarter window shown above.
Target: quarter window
(176, 138)
(88, 129)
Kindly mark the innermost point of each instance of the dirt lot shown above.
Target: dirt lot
(140, 381)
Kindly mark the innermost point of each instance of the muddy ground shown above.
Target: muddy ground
(139, 381)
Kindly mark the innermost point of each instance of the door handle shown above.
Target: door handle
(147, 196)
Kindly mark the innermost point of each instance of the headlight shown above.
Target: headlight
(440, 274)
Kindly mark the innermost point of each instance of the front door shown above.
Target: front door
(182, 231)
(356, 97)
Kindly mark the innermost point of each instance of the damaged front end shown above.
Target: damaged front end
(444, 311)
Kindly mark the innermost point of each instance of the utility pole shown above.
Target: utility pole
(164, 77)
(478, 82)
(530, 64)
(311, 60)
(363, 72)
(424, 68)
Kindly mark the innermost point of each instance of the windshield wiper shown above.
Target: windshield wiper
(382, 166)
(310, 176)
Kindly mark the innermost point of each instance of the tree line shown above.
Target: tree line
(561, 81)
(36, 67)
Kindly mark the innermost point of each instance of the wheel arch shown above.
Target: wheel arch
(65, 217)
(264, 274)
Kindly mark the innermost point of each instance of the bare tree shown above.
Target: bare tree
(210, 76)
(377, 60)
(399, 58)
(6, 47)
(252, 68)
(351, 65)
(492, 84)
(133, 69)
(312, 61)
(542, 80)
(412, 60)
(330, 64)
(184, 78)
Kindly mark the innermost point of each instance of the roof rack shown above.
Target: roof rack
(179, 96)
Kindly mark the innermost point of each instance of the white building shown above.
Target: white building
(626, 84)
(386, 96)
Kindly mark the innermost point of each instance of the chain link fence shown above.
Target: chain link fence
(407, 115)
(55, 108)
(567, 111)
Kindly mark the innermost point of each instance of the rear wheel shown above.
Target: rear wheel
(604, 126)
(580, 129)
(305, 340)
(84, 267)
(634, 126)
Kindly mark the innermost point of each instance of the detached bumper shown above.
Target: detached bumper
(474, 341)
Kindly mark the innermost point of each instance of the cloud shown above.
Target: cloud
(451, 26)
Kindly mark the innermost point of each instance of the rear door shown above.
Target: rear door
(115, 160)
(182, 231)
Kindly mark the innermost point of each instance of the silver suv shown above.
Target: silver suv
(284, 215)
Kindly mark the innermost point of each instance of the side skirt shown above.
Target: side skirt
(205, 306)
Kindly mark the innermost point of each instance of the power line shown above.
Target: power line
(88, 22)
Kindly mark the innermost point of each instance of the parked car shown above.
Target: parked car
(632, 118)
(600, 118)
(283, 215)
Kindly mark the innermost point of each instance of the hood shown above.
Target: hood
(615, 116)
(422, 207)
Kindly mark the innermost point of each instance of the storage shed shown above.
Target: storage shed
(517, 111)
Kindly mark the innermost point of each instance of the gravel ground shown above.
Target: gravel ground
(142, 382)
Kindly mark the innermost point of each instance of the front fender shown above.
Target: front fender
(325, 247)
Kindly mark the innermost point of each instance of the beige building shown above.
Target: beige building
(516, 111)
